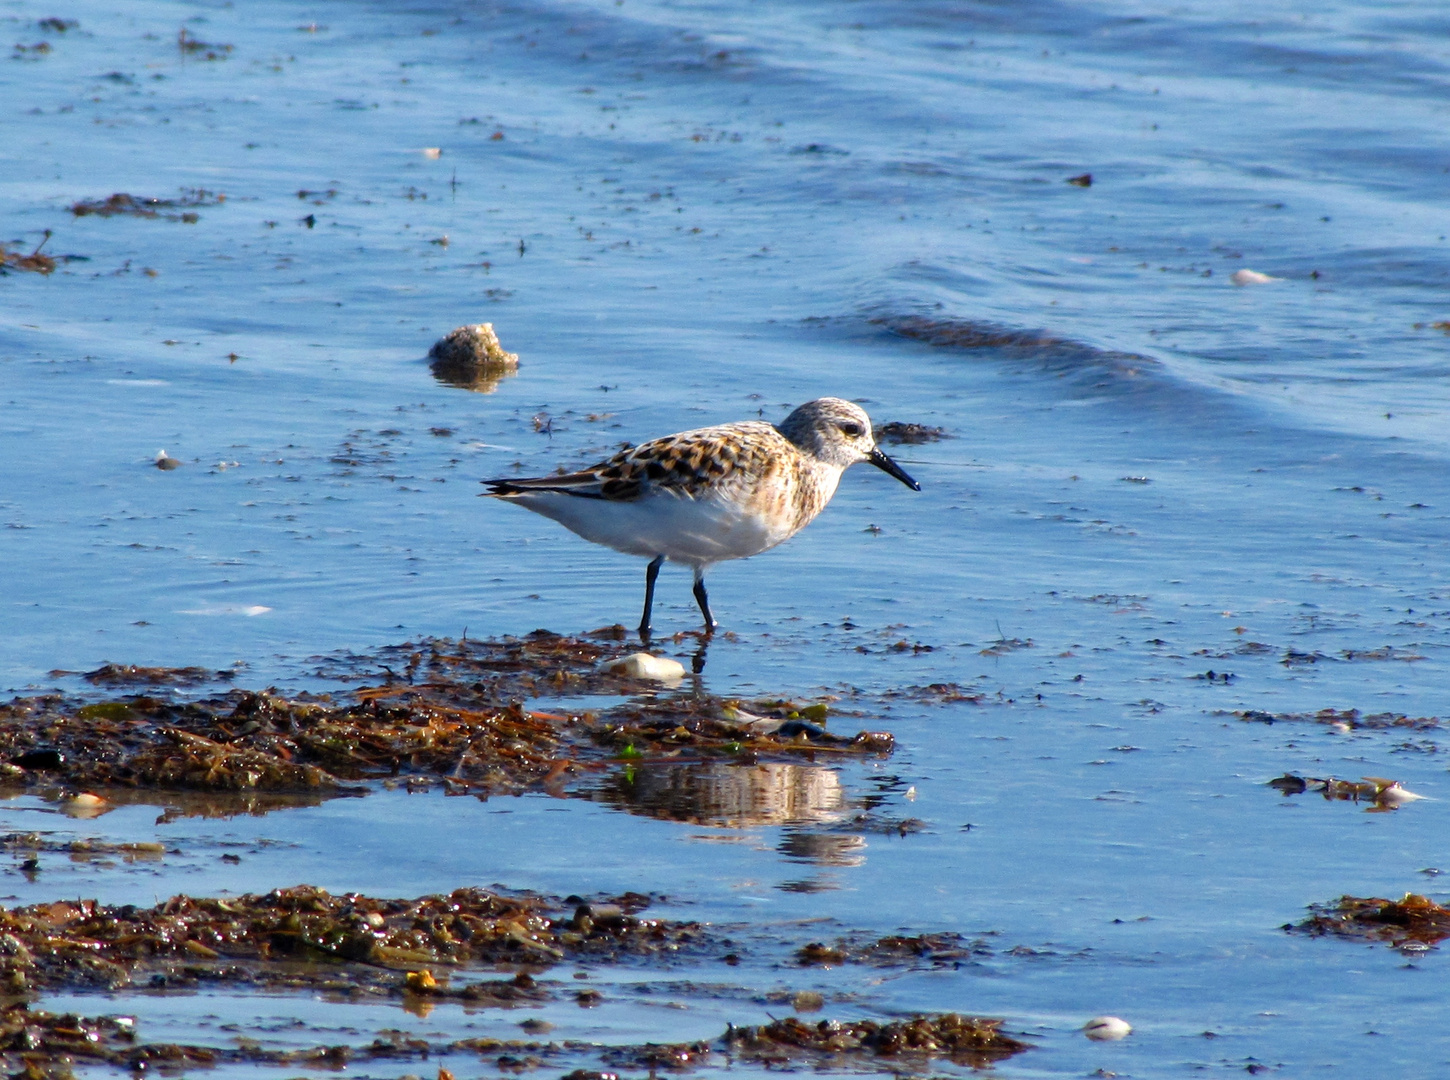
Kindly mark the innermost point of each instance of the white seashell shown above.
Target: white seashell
(642, 665)
(1107, 1028)
(85, 805)
(1250, 277)
(1394, 795)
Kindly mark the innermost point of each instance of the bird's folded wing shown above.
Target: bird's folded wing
(589, 484)
(689, 464)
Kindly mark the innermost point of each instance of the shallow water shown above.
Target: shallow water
(701, 212)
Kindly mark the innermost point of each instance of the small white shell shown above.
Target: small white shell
(85, 805)
(1394, 795)
(1107, 1028)
(642, 665)
(1250, 277)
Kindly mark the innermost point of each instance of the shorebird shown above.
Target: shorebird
(701, 497)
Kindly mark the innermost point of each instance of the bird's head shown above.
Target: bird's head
(838, 432)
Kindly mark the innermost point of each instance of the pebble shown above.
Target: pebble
(1107, 1028)
(471, 357)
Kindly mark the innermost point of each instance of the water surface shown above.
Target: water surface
(680, 214)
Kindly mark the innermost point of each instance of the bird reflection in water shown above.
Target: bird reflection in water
(729, 796)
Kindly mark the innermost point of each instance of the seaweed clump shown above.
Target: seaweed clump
(453, 712)
(910, 434)
(972, 1040)
(933, 950)
(32, 1040)
(1345, 719)
(1407, 922)
(34, 263)
(376, 946)
(123, 205)
(1379, 792)
(134, 674)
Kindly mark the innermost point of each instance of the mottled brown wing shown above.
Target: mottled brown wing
(687, 464)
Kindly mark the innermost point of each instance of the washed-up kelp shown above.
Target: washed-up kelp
(43, 1044)
(970, 1039)
(33, 262)
(909, 434)
(1346, 719)
(452, 711)
(1407, 923)
(135, 675)
(1379, 792)
(355, 943)
(122, 204)
(929, 950)
(37, 1045)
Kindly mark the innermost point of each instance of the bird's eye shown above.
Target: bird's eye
(851, 429)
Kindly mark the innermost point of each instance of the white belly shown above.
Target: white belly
(696, 532)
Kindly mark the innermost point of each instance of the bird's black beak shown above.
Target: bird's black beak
(886, 465)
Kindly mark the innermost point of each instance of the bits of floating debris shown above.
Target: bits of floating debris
(1383, 793)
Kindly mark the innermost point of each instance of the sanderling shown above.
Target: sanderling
(711, 494)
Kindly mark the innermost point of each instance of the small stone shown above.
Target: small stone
(421, 981)
(472, 358)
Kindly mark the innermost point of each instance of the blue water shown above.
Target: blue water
(704, 212)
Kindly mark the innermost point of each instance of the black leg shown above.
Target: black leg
(704, 601)
(651, 572)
